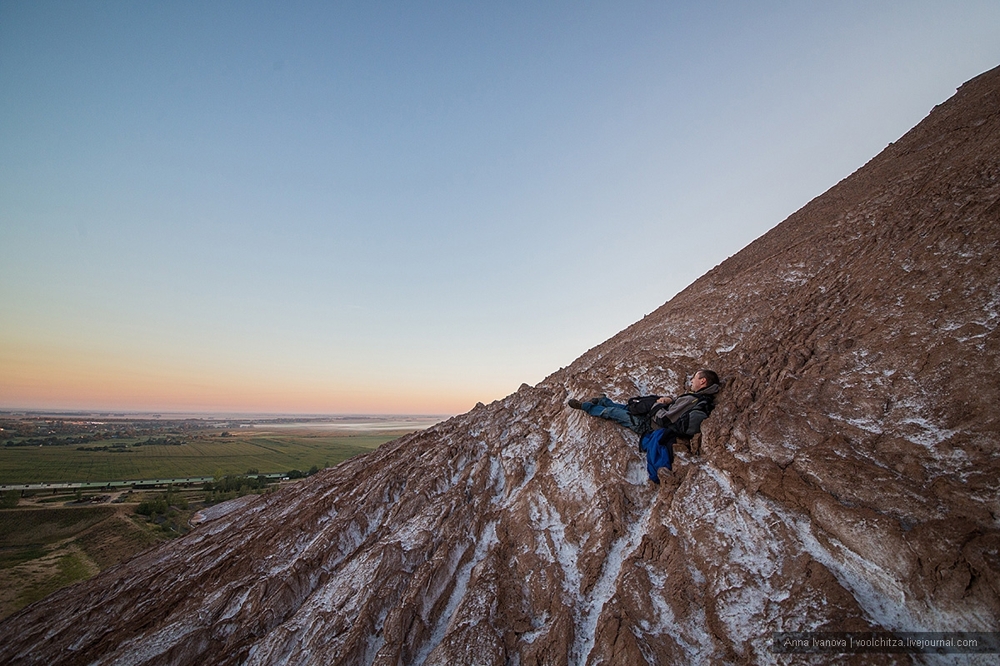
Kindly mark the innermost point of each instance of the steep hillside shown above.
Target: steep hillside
(846, 481)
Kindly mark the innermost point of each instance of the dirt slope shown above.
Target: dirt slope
(846, 481)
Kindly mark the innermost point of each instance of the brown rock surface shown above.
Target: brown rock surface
(846, 481)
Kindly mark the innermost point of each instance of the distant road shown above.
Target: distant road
(95, 485)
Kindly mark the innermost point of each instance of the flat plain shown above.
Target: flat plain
(205, 454)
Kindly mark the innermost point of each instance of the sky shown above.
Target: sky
(410, 207)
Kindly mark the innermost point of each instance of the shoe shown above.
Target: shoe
(596, 400)
(575, 404)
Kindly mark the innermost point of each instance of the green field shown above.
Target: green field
(211, 455)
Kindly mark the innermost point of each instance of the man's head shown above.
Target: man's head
(702, 379)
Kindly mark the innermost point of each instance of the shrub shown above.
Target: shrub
(9, 499)
(152, 507)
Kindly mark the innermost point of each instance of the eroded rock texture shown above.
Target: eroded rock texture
(847, 480)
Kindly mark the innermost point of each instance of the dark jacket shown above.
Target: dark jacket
(684, 415)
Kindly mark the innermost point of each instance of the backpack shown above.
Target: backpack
(641, 405)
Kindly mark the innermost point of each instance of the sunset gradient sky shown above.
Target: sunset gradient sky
(408, 207)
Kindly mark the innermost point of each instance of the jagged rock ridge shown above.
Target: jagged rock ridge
(847, 480)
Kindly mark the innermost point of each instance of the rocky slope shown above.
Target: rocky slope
(846, 481)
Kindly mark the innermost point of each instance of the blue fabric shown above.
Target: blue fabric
(613, 411)
(659, 448)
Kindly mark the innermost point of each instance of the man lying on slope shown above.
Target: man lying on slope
(660, 420)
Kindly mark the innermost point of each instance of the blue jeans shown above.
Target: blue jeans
(613, 411)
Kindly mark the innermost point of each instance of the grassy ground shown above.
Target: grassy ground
(44, 548)
(38, 553)
(207, 455)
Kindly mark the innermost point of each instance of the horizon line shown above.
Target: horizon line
(216, 414)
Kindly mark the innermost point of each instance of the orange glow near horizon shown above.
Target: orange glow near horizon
(70, 380)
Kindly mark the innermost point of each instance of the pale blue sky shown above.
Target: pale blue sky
(331, 207)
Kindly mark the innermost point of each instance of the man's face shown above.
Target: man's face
(698, 382)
